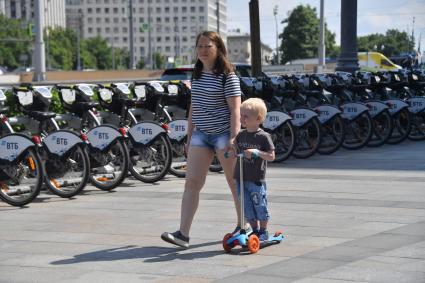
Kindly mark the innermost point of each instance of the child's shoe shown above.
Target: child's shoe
(263, 235)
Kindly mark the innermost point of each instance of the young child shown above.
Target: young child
(258, 148)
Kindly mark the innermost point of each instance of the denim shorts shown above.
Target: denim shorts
(213, 141)
(255, 201)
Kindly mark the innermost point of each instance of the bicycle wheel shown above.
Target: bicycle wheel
(178, 163)
(114, 167)
(382, 128)
(67, 176)
(151, 163)
(357, 131)
(402, 127)
(21, 182)
(308, 140)
(418, 127)
(284, 141)
(333, 135)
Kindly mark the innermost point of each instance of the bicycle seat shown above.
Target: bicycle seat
(41, 116)
(84, 106)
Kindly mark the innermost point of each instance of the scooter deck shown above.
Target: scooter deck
(272, 240)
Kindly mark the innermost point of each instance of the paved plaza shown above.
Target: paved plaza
(354, 216)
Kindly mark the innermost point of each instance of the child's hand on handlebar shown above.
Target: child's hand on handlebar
(251, 153)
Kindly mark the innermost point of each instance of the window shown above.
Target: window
(115, 10)
(167, 9)
(89, 10)
(142, 39)
(167, 19)
(124, 39)
(116, 31)
(184, 19)
(90, 30)
(90, 20)
(106, 20)
(167, 49)
(108, 29)
(141, 10)
(184, 9)
(201, 9)
(116, 20)
(201, 19)
(192, 9)
(158, 19)
(167, 39)
(98, 20)
(158, 39)
(98, 30)
(98, 10)
(175, 9)
(158, 10)
(106, 10)
(142, 51)
(124, 29)
(141, 20)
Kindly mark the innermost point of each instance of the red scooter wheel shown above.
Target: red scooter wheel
(226, 246)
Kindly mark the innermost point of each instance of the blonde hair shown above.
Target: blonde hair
(255, 106)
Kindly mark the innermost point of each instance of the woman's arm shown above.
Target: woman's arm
(234, 103)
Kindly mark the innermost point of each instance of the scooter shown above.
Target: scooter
(246, 237)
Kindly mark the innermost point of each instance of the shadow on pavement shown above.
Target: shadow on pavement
(150, 254)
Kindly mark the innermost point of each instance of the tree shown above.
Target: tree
(62, 48)
(393, 42)
(300, 38)
(100, 52)
(15, 43)
(158, 60)
(141, 63)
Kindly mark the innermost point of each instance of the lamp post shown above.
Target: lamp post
(277, 34)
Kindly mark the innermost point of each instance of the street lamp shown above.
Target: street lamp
(277, 34)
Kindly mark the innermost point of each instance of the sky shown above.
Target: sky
(372, 16)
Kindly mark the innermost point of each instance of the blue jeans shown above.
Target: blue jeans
(213, 141)
(255, 201)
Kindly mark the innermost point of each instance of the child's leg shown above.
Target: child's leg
(254, 225)
(263, 225)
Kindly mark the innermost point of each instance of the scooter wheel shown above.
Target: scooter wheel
(226, 246)
(278, 233)
(253, 244)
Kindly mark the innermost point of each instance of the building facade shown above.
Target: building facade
(239, 49)
(167, 27)
(54, 11)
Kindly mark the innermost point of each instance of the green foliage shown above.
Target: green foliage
(141, 63)
(300, 37)
(393, 42)
(159, 60)
(62, 44)
(122, 58)
(100, 50)
(15, 43)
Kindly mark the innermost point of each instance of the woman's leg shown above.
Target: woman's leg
(198, 162)
(228, 165)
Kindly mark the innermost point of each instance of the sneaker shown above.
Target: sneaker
(176, 238)
(263, 235)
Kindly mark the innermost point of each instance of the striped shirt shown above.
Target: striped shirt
(210, 111)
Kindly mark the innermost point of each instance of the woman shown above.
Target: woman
(214, 122)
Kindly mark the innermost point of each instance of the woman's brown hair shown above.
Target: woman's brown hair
(222, 64)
